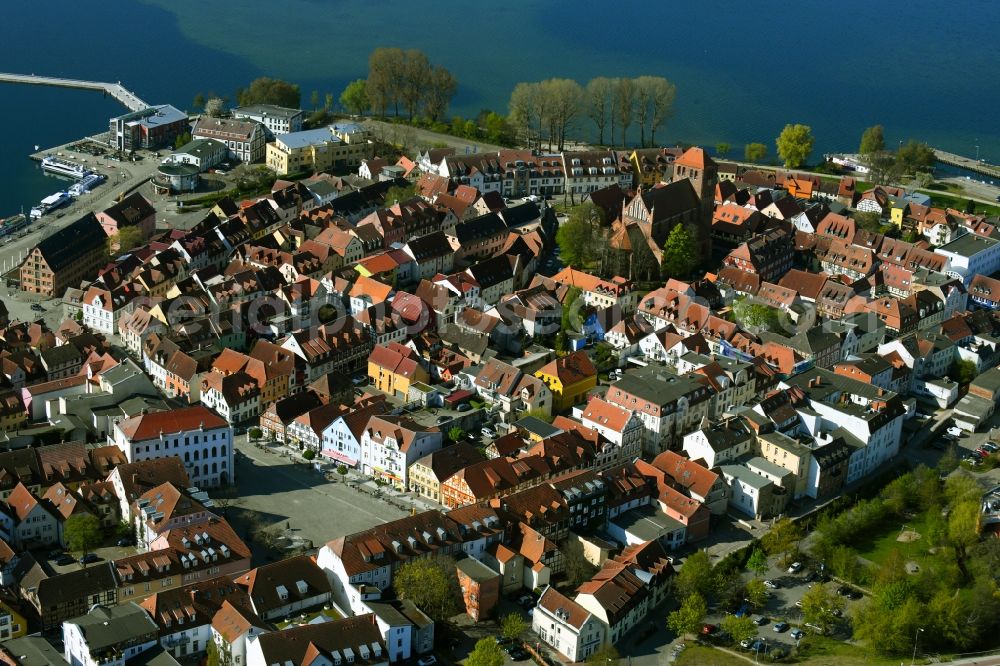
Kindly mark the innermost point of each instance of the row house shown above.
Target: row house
(597, 293)
(389, 445)
(668, 405)
(501, 383)
(341, 438)
(236, 396)
(621, 427)
(340, 346)
(768, 255)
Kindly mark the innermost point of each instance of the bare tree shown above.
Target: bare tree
(623, 104)
(526, 111)
(566, 102)
(643, 102)
(440, 89)
(414, 80)
(384, 66)
(664, 93)
(599, 104)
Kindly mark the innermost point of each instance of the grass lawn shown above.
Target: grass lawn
(879, 544)
(699, 655)
(820, 651)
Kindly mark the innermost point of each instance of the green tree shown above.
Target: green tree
(754, 152)
(783, 539)
(695, 576)
(127, 239)
(486, 653)
(455, 433)
(872, 140)
(182, 140)
(217, 656)
(883, 168)
(342, 470)
(755, 592)
(497, 129)
(868, 220)
(512, 625)
(328, 102)
(399, 194)
(309, 454)
(431, 584)
(722, 149)
(82, 533)
(820, 605)
(605, 356)
(579, 237)
(606, 655)
(963, 371)
(739, 628)
(757, 563)
(578, 568)
(689, 617)
(755, 316)
(914, 156)
(255, 433)
(540, 414)
(680, 252)
(794, 144)
(265, 90)
(198, 103)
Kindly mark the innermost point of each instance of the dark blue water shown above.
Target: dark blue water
(926, 70)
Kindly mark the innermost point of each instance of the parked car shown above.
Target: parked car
(773, 584)
(526, 601)
(709, 629)
(443, 419)
(488, 433)
(797, 633)
(991, 447)
(64, 560)
(854, 595)
(759, 620)
(746, 643)
(780, 627)
(795, 567)
(429, 660)
(843, 591)
(955, 431)
(124, 542)
(464, 407)
(37, 308)
(90, 558)
(798, 604)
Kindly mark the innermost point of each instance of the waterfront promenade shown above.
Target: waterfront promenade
(967, 163)
(116, 90)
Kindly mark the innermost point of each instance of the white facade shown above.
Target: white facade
(277, 119)
(340, 444)
(207, 454)
(384, 457)
(575, 643)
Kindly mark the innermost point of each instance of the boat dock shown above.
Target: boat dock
(116, 90)
(967, 163)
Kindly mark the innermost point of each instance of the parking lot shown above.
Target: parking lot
(779, 618)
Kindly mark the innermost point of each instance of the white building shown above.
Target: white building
(619, 426)
(200, 438)
(568, 627)
(970, 255)
(389, 445)
(108, 635)
(276, 119)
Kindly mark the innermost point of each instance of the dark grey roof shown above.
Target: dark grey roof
(492, 271)
(34, 651)
(104, 626)
(68, 244)
(479, 228)
(429, 246)
(524, 213)
(131, 210)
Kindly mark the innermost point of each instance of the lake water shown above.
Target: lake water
(924, 69)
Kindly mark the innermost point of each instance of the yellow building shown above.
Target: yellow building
(12, 412)
(333, 147)
(898, 211)
(12, 623)
(394, 368)
(569, 378)
(649, 166)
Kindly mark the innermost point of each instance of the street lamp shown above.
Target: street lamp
(916, 638)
